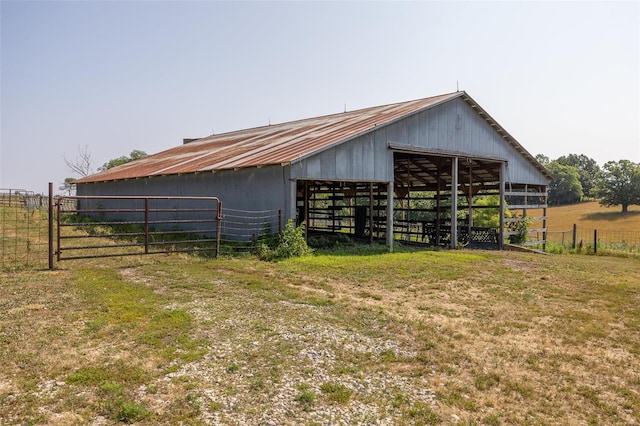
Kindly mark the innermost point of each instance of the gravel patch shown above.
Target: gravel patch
(236, 387)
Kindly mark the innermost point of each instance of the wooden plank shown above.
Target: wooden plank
(529, 206)
(526, 194)
(531, 231)
(519, 219)
(534, 243)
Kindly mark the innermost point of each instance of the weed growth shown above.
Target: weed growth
(290, 243)
(336, 392)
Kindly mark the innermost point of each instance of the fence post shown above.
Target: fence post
(595, 241)
(575, 235)
(58, 237)
(218, 225)
(146, 226)
(50, 225)
(279, 221)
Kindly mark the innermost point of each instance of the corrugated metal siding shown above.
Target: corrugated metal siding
(247, 189)
(364, 158)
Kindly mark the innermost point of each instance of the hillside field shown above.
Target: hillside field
(410, 338)
(591, 215)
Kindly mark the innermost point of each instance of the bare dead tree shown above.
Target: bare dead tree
(81, 165)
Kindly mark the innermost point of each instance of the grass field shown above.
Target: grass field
(618, 234)
(592, 215)
(426, 337)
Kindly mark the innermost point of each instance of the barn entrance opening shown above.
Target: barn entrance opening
(355, 210)
(438, 199)
(447, 200)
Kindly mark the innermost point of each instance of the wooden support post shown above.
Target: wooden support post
(408, 218)
(526, 201)
(574, 237)
(438, 217)
(291, 213)
(454, 202)
(544, 221)
(390, 216)
(370, 212)
(305, 208)
(470, 205)
(502, 205)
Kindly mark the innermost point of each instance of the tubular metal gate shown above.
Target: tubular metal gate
(136, 225)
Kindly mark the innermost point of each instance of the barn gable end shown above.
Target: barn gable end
(450, 128)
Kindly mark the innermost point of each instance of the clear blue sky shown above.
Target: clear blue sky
(561, 77)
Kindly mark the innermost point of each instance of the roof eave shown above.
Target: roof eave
(507, 136)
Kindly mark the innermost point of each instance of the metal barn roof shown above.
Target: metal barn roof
(281, 143)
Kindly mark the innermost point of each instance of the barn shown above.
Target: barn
(416, 171)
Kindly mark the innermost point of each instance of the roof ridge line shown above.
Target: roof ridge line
(355, 111)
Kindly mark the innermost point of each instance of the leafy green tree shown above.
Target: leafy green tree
(543, 159)
(135, 155)
(588, 171)
(488, 213)
(619, 184)
(565, 187)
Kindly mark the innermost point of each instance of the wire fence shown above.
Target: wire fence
(243, 230)
(24, 232)
(595, 241)
(116, 226)
(24, 229)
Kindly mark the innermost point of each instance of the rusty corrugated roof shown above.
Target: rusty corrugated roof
(275, 144)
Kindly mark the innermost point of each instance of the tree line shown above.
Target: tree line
(577, 177)
(81, 166)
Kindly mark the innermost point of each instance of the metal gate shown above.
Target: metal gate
(110, 226)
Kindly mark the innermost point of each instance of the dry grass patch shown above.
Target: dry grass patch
(591, 215)
(407, 338)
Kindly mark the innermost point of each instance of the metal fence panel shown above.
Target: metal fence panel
(23, 230)
(108, 226)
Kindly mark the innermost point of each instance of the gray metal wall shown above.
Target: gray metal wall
(366, 158)
(246, 189)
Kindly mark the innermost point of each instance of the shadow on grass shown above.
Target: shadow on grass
(612, 215)
(363, 249)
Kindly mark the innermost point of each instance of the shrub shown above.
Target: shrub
(520, 227)
(290, 243)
